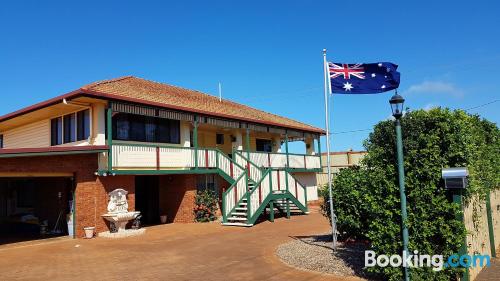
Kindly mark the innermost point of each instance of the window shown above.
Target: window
(219, 138)
(83, 125)
(264, 145)
(1, 141)
(56, 131)
(208, 182)
(69, 124)
(70, 128)
(132, 127)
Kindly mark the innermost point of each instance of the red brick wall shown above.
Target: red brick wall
(92, 200)
(177, 194)
(91, 191)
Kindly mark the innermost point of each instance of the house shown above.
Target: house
(60, 158)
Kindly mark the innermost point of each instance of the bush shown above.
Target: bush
(366, 198)
(205, 206)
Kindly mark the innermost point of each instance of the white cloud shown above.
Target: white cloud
(429, 106)
(435, 87)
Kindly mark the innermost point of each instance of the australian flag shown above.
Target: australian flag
(363, 78)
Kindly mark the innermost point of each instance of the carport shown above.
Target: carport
(36, 206)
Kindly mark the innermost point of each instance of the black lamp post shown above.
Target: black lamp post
(397, 102)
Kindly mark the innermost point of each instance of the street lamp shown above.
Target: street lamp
(396, 103)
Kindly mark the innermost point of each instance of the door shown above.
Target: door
(147, 199)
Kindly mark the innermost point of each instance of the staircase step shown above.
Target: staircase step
(236, 224)
(243, 203)
(241, 208)
(238, 214)
(236, 219)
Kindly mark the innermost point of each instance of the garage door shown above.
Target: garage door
(35, 207)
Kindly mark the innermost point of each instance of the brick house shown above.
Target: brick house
(161, 143)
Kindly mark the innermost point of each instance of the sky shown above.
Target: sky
(266, 54)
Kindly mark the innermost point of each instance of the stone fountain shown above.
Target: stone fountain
(118, 216)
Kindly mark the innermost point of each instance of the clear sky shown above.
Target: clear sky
(266, 53)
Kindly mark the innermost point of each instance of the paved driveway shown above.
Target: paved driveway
(167, 252)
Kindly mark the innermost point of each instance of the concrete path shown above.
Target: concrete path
(168, 252)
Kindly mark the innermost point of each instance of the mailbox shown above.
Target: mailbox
(455, 178)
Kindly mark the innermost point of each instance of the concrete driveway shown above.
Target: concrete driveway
(168, 252)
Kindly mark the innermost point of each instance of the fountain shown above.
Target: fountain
(118, 216)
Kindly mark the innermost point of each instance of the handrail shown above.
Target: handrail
(226, 211)
(281, 153)
(248, 160)
(227, 157)
(257, 189)
(252, 165)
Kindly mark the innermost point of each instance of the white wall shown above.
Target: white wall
(309, 181)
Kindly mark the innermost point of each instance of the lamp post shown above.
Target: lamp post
(396, 103)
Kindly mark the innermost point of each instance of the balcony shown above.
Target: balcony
(152, 157)
(279, 160)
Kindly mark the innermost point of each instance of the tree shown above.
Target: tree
(366, 198)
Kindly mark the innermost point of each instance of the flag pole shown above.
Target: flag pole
(327, 124)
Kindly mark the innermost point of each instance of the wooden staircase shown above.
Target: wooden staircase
(264, 188)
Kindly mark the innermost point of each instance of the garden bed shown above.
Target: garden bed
(315, 253)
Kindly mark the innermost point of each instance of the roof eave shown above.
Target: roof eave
(98, 94)
(40, 105)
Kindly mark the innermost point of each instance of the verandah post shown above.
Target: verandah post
(109, 132)
(271, 211)
(195, 140)
(249, 207)
(286, 175)
(491, 231)
(247, 142)
(319, 153)
(286, 149)
(224, 207)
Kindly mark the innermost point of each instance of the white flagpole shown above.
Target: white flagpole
(327, 123)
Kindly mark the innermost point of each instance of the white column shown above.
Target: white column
(98, 124)
(309, 142)
(238, 143)
(276, 144)
(185, 134)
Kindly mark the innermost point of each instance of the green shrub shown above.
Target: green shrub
(205, 206)
(366, 198)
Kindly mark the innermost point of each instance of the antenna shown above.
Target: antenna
(220, 92)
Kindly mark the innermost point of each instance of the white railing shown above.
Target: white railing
(313, 162)
(278, 179)
(260, 193)
(255, 172)
(127, 156)
(207, 158)
(278, 160)
(234, 194)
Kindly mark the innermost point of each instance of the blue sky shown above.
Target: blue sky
(266, 53)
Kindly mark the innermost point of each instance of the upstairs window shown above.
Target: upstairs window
(219, 138)
(70, 128)
(56, 131)
(1, 141)
(264, 145)
(131, 127)
(83, 125)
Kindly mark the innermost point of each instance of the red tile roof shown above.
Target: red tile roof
(138, 90)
